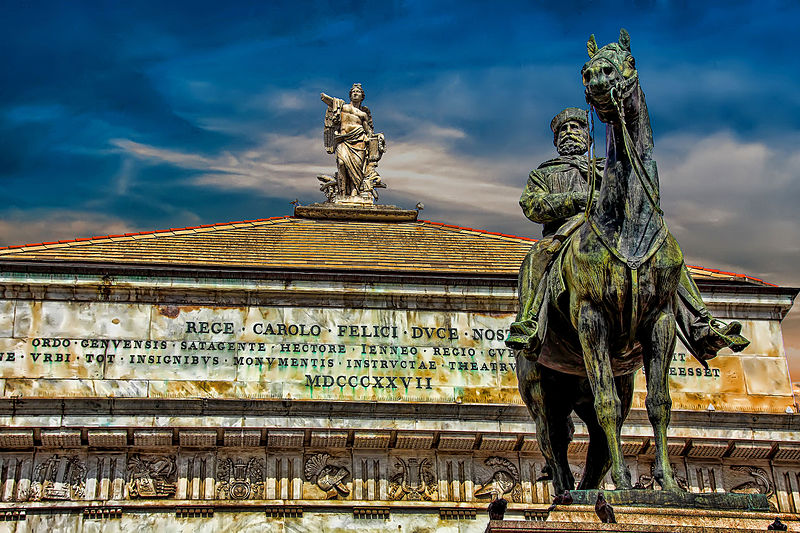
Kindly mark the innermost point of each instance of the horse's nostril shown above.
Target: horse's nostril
(587, 78)
(607, 71)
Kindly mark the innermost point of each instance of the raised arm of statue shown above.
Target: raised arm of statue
(327, 99)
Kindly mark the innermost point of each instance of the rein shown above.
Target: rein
(633, 156)
(592, 163)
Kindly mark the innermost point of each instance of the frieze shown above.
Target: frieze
(503, 478)
(59, 477)
(413, 479)
(759, 482)
(347, 477)
(330, 478)
(151, 476)
(240, 478)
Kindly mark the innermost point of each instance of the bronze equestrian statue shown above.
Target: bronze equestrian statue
(601, 292)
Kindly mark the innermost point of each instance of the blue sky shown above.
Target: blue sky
(129, 116)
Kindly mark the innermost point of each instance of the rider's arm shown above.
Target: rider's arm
(542, 206)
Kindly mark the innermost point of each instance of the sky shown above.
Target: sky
(133, 116)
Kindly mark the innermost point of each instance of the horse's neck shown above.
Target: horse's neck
(624, 211)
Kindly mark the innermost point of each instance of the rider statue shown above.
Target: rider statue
(556, 196)
(349, 134)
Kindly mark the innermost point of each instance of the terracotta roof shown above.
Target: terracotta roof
(300, 243)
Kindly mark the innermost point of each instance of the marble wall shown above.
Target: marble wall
(138, 350)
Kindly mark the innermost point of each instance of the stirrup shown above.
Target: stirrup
(523, 336)
(720, 335)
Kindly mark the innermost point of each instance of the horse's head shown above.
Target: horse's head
(610, 72)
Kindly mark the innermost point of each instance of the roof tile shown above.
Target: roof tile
(289, 242)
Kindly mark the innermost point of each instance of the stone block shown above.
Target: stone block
(16, 438)
(498, 442)
(61, 438)
(787, 451)
(457, 441)
(751, 450)
(707, 448)
(328, 439)
(289, 438)
(241, 438)
(107, 438)
(414, 440)
(633, 445)
(197, 438)
(371, 440)
(152, 438)
(529, 444)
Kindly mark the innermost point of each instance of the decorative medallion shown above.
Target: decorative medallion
(240, 480)
(152, 476)
(504, 480)
(329, 478)
(414, 481)
(59, 478)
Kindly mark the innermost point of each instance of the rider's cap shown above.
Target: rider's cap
(570, 113)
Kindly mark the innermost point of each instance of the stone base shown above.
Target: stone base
(365, 212)
(582, 518)
(683, 500)
(511, 526)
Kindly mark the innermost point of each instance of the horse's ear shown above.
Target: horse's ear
(591, 46)
(625, 39)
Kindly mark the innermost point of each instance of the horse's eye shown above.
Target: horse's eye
(631, 61)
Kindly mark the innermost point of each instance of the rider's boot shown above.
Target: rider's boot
(527, 332)
(705, 334)
(712, 335)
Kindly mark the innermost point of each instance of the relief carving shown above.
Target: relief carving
(329, 478)
(760, 484)
(152, 476)
(647, 481)
(503, 479)
(59, 478)
(240, 480)
(414, 481)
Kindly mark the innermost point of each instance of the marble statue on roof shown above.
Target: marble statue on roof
(349, 134)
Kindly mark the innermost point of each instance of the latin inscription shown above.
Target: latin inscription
(318, 353)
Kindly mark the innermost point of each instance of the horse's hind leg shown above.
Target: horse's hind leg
(598, 459)
(558, 391)
(549, 432)
(593, 333)
(658, 345)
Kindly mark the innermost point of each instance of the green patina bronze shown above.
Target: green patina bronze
(601, 293)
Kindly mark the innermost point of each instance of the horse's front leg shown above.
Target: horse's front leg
(658, 345)
(593, 334)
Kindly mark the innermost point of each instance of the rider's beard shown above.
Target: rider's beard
(572, 146)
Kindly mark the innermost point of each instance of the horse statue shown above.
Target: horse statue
(612, 292)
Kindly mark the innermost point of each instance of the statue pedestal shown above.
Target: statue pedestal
(651, 511)
(356, 211)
